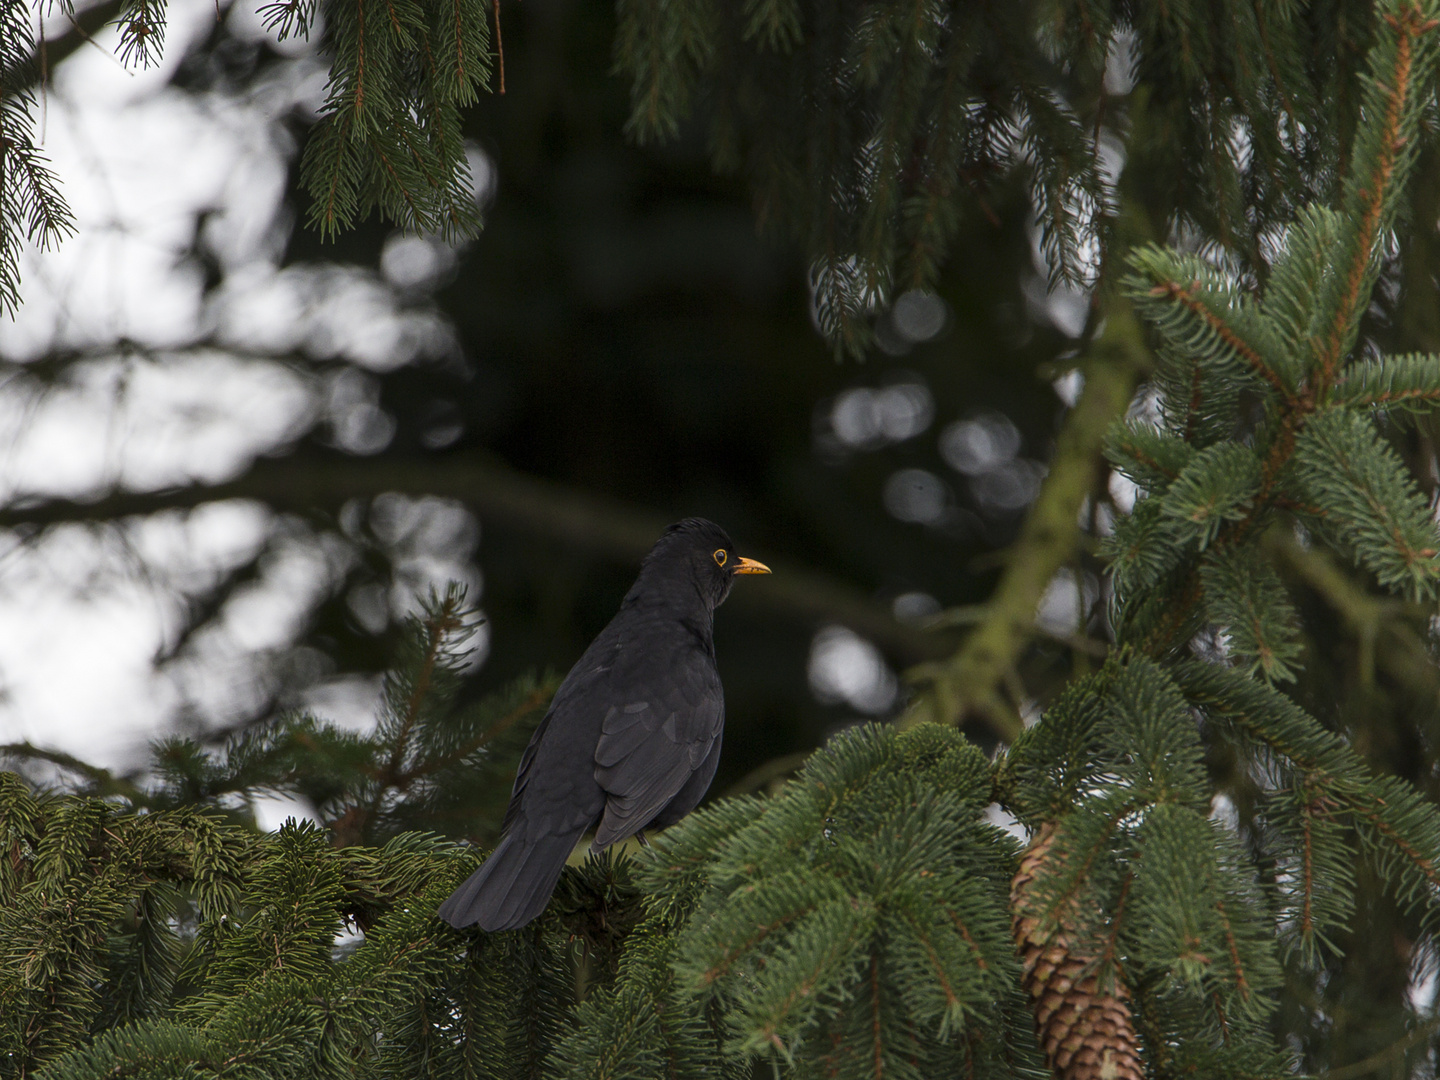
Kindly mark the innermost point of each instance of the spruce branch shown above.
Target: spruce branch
(1218, 486)
(142, 32)
(440, 633)
(1389, 633)
(1394, 383)
(1402, 56)
(1197, 311)
(1152, 458)
(1245, 596)
(1370, 500)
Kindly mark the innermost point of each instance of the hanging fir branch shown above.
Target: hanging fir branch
(390, 136)
(869, 131)
(31, 207)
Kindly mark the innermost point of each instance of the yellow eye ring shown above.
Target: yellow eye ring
(720, 556)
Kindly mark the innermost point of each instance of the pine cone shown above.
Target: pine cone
(1087, 1034)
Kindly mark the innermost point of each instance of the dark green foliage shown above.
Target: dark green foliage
(154, 937)
(266, 992)
(31, 207)
(1304, 440)
(883, 890)
(1139, 874)
(142, 32)
(645, 1025)
(87, 902)
(390, 135)
(1396, 384)
(1267, 424)
(1152, 459)
(1326, 808)
(855, 923)
(871, 130)
(1371, 501)
(1217, 486)
(1245, 597)
(216, 944)
(1174, 898)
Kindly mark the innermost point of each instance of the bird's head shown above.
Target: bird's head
(699, 551)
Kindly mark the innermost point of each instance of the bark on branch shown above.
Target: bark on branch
(513, 501)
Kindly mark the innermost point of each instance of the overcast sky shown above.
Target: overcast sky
(85, 611)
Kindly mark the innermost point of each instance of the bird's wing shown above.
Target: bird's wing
(586, 677)
(650, 747)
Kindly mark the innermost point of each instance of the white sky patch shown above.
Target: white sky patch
(46, 637)
(91, 615)
(85, 611)
(1223, 812)
(844, 667)
(1064, 307)
(274, 809)
(1424, 982)
(1068, 386)
(144, 424)
(1065, 603)
(352, 702)
(135, 172)
(1001, 818)
(1123, 491)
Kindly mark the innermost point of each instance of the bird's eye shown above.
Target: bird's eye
(720, 556)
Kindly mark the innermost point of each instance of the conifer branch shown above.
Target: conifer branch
(1407, 383)
(1371, 191)
(1386, 629)
(1307, 879)
(439, 626)
(528, 504)
(1376, 1062)
(537, 699)
(1187, 298)
(1373, 809)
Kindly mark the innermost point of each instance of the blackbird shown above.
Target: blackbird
(630, 741)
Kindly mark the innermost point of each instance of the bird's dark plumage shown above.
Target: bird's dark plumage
(632, 738)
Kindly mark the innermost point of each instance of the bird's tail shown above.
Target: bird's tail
(512, 887)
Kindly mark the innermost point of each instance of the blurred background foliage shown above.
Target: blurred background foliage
(617, 349)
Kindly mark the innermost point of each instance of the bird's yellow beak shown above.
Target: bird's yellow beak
(750, 566)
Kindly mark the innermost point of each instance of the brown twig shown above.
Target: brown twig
(499, 47)
(1407, 27)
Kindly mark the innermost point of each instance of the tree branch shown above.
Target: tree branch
(1383, 626)
(970, 682)
(514, 500)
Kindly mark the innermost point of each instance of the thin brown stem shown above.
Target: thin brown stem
(499, 47)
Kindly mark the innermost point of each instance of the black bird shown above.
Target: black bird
(633, 735)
